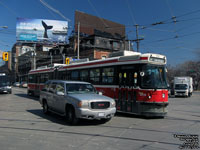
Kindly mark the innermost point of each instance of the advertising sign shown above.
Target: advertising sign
(41, 30)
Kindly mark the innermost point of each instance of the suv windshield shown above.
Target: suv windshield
(80, 88)
(153, 77)
(181, 86)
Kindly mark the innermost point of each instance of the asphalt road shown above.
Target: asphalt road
(23, 126)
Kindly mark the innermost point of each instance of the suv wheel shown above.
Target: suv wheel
(71, 116)
(45, 108)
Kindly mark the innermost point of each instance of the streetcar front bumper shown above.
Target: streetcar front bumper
(153, 109)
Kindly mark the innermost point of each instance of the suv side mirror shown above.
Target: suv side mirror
(100, 93)
(60, 93)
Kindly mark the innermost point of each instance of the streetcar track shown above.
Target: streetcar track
(93, 135)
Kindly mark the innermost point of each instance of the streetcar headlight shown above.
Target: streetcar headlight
(149, 96)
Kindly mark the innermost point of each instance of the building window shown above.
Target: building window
(103, 57)
(115, 45)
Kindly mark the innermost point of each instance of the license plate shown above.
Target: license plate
(101, 114)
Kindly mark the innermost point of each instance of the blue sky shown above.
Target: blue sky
(178, 41)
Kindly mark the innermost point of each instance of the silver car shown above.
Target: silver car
(5, 87)
(76, 100)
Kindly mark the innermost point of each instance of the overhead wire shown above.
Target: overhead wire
(54, 10)
(53, 15)
(131, 12)
(9, 9)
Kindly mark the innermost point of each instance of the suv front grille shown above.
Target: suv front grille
(100, 105)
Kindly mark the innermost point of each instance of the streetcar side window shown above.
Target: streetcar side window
(63, 75)
(95, 75)
(44, 77)
(51, 76)
(31, 78)
(74, 75)
(108, 75)
(84, 75)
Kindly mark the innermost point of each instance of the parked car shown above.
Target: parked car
(24, 84)
(16, 84)
(76, 100)
(5, 87)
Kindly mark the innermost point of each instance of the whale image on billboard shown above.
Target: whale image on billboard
(40, 30)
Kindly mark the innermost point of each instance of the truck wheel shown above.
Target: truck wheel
(45, 107)
(71, 116)
(189, 94)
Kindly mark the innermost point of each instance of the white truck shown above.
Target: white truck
(183, 86)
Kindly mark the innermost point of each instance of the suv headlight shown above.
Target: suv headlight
(113, 104)
(83, 104)
(9, 87)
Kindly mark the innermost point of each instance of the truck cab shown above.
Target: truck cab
(183, 86)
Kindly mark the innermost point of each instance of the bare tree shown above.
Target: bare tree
(188, 68)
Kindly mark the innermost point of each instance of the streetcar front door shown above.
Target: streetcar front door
(127, 91)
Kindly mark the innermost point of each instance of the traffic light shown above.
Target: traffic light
(5, 56)
(67, 61)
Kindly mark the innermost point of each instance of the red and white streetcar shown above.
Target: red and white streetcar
(136, 81)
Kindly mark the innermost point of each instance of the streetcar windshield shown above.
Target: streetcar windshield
(153, 77)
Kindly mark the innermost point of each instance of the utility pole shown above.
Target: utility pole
(78, 40)
(63, 55)
(34, 56)
(137, 38)
(129, 45)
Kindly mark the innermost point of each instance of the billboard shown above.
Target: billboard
(41, 30)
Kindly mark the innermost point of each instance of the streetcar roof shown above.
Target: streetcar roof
(69, 81)
(150, 58)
